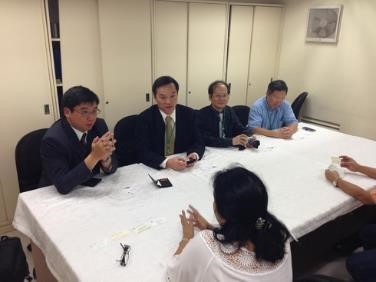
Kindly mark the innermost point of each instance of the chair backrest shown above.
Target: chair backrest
(242, 111)
(28, 161)
(126, 144)
(298, 103)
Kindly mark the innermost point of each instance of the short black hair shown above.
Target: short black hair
(241, 200)
(214, 84)
(77, 95)
(277, 85)
(164, 80)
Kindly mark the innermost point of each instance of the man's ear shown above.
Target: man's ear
(67, 112)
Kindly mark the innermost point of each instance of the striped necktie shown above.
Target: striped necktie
(221, 129)
(83, 139)
(169, 136)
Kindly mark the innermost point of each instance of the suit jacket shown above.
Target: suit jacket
(151, 135)
(208, 123)
(63, 156)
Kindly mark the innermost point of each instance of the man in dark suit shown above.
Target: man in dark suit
(166, 129)
(78, 145)
(218, 123)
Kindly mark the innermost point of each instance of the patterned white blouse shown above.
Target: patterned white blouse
(204, 259)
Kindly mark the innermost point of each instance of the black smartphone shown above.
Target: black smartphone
(92, 182)
(191, 161)
(162, 182)
(308, 129)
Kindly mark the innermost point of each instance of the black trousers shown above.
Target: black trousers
(362, 266)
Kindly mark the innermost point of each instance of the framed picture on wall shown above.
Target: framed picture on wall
(323, 24)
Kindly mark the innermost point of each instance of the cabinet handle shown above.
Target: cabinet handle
(107, 102)
(147, 97)
(46, 109)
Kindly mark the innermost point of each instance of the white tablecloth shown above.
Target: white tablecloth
(80, 233)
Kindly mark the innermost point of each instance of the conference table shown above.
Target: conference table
(80, 233)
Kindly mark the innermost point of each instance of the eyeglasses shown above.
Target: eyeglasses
(125, 256)
(220, 96)
(86, 113)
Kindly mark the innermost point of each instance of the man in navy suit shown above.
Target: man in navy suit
(167, 128)
(218, 123)
(78, 145)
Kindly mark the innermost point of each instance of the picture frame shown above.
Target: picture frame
(323, 24)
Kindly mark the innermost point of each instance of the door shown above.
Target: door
(240, 36)
(264, 50)
(170, 43)
(207, 41)
(125, 35)
(82, 63)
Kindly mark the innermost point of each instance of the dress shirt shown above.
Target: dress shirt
(262, 116)
(173, 116)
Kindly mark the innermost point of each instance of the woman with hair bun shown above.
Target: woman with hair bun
(250, 244)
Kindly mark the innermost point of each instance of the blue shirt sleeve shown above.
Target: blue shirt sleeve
(255, 117)
(288, 114)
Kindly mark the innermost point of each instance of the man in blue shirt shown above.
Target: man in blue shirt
(271, 115)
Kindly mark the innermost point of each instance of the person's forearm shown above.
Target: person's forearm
(354, 191)
(293, 127)
(66, 181)
(265, 132)
(182, 245)
(107, 165)
(369, 171)
(90, 161)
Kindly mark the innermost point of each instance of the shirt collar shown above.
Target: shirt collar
(173, 115)
(267, 105)
(78, 133)
(216, 111)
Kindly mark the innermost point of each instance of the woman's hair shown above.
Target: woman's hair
(242, 201)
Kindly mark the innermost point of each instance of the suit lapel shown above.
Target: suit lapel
(159, 127)
(74, 143)
(178, 125)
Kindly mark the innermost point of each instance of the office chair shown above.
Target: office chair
(126, 144)
(28, 161)
(298, 103)
(242, 111)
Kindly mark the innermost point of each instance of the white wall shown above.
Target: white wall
(339, 77)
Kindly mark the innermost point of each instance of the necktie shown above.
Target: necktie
(169, 136)
(221, 131)
(83, 139)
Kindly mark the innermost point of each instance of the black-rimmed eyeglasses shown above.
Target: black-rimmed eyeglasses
(86, 113)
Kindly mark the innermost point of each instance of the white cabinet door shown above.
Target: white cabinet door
(80, 46)
(206, 49)
(264, 50)
(125, 33)
(25, 87)
(239, 50)
(170, 43)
